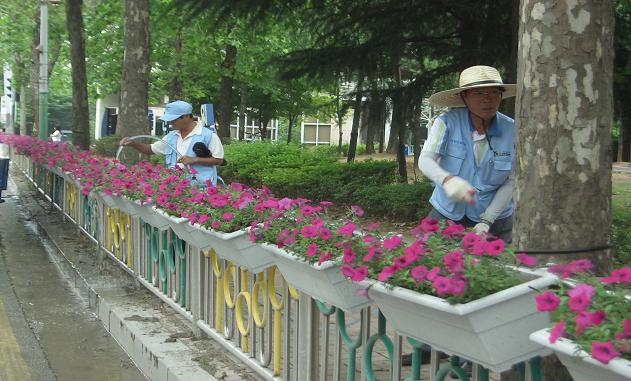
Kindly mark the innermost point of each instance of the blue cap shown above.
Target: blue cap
(175, 110)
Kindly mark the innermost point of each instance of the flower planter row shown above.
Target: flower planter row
(495, 331)
(492, 331)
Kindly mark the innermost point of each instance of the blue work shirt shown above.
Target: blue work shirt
(456, 154)
(204, 172)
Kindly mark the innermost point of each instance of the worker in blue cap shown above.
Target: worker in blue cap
(188, 144)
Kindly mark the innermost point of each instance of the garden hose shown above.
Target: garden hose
(120, 148)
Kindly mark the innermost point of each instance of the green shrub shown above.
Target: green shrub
(400, 202)
(106, 146)
(621, 229)
(336, 182)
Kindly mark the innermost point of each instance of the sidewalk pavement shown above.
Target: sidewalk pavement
(158, 340)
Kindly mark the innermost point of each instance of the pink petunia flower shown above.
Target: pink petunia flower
(357, 210)
(453, 230)
(442, 285)
(360, 273)
(215, 225)
(392, 242)
(547, 301)
(622, 275)
(587, 319)
(557, 331)
(386, 273)
(347, 230)
(458, 286)
(325, 234)
(430, 225)
(454, 261)
(419, 273)
(349, 255)
(312, 250)
(526, 259)
(309, 231)
(227, 217)
(604, 352)
(495, 248)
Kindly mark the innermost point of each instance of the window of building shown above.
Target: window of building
(316, 132)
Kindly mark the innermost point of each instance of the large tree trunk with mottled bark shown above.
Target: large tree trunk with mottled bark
(134, 106)
(564, 115)
(80, 118)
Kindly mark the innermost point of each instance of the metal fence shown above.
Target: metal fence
(279, 332)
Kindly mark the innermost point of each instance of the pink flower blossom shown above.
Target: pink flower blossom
(392, 242)
(360, 273)
(582, 289)
(215, 225)
(403, 261)
(309, 231)
(587, 319)
(347, 270)
(468, 242)
(579, 302)
(433, 274)
(227, 217)
(622, 275)
(419, 273)
(325, 234)
(526, 260)
(312, 250)
(454, 261)
(458, 286)
(547, 301)
(453, 230)
(357, 210)
(386, 273)
(442, 285)
(495, 248)
(325, 256)
(430, 225)
(479, 248)
(604, 352)
(202, 219)
(557, 331)
(349, 255)
(347, 230)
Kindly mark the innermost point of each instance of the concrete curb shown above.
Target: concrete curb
(138, 333)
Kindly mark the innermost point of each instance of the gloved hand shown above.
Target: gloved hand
(481, 227)
(458, 189)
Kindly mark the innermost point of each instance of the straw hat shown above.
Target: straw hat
(472, 78)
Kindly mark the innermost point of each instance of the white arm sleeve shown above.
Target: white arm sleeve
(428, 164)
(502, 197)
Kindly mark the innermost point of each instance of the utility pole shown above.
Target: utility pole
(43, 70)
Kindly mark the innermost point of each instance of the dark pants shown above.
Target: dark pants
(4, 173)
(501, 228)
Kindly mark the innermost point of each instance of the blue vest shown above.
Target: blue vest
(457, 158)
(204, 172)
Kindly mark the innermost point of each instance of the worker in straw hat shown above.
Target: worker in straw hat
(469, 154)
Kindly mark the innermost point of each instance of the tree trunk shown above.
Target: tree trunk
(134, 106)
(352, 147)
(394, 133)
(291, 119)
(225, 102)
(242, 105)
(34, 85)
(416, 133)
(80, 119)
(564, 115)
(23, 126)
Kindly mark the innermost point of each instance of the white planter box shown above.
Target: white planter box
(492, 331)
(149, 215)
(179, 225)
(124, 205)
(107, 200)
(235, 247)
(580, 364)
(323, 282)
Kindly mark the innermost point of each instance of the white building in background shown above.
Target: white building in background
(7, 103)
(106, 116)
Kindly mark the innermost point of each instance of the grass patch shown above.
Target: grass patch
(621, 224)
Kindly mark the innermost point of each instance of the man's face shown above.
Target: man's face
(483, 102)
(180, 122)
